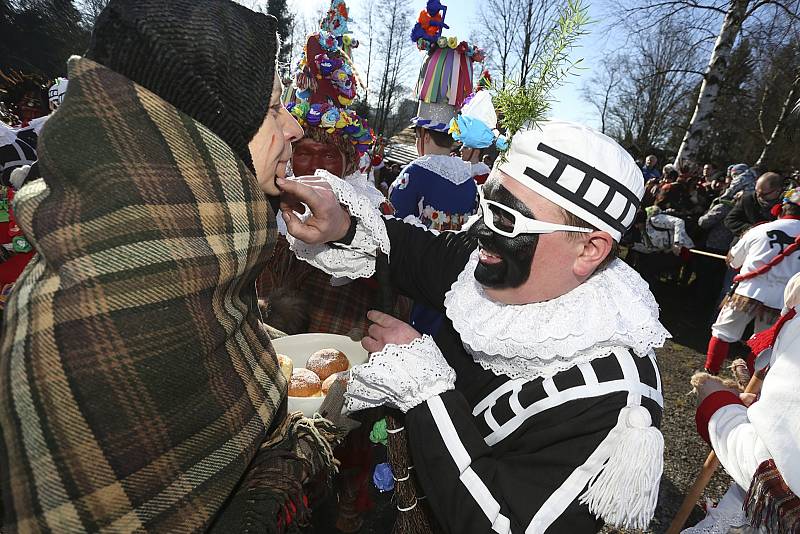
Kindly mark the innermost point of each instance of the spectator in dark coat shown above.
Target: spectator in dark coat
(754, 207)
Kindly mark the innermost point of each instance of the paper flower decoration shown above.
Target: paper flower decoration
(378, 433)
(328, 42)
(383, 478)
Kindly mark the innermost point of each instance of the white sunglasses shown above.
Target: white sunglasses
(509, 222)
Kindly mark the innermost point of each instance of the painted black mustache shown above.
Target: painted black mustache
(516, 254)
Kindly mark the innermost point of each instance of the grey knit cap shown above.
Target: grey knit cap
(212, 59)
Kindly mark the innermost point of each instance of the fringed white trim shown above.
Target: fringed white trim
(625, 492)
(356, 260)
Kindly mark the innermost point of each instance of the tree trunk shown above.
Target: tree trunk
(714, 75)
(525, 52)
(369, 48)
(788, 103)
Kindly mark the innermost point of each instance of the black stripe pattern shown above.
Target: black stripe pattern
(597, 193)
(515, 401)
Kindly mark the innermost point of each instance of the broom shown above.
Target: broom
(413, 516)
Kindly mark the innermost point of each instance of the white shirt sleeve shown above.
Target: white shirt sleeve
(738, 447)
(739, 251)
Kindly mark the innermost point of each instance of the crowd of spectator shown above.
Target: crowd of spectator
(699, 209)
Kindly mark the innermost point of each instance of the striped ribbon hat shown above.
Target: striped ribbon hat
(579, 169)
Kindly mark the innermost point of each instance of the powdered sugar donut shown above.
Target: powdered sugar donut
(304, 383)
(328, 382)
(325, 362)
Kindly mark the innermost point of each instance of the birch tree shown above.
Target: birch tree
(709, 89)
(732, 17)
(645, 105)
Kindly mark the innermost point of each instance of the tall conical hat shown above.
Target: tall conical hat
(445, 79)
(326, 85)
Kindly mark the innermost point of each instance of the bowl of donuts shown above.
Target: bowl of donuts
(311, 363)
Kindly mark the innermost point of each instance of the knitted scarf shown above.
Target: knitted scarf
(136, 383)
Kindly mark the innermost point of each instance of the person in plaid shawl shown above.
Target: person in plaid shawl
(139, 390)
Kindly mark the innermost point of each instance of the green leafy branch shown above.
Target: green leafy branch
(521, 105)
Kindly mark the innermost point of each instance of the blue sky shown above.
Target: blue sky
(600, 43)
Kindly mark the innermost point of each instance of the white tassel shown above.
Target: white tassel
(18, 176)
(625, 492)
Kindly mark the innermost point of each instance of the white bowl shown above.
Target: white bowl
(301, 346)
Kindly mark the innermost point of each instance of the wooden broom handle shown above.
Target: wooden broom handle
(704, 477)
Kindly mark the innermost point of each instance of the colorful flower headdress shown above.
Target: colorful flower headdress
(792, 196)
(326, 84)
(452, 43)
(324, 73)
(446, 77)
(335, 121)
(335, 23)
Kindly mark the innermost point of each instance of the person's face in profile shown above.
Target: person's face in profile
(271, 147)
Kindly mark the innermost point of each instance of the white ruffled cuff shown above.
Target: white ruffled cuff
(402, 376)
(356, 260)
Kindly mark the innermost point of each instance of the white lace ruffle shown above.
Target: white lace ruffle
(364, 187)
(727, 517)
(402, 376)
(356, 260)
(613, 308)
(413, 220)
(454, 170)
(480, 168)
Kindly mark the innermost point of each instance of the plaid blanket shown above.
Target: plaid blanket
(136, 384)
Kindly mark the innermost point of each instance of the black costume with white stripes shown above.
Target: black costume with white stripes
(504, 455)
(22, 151)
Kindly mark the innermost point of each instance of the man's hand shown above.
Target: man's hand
(706, 384)
(329, 221)
(385, 329)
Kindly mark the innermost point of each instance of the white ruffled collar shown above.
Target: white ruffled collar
(452, 169)
(480, 168)
(363, 186)
(613, 308)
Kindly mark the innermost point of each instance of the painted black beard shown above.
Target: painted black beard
(517, 254)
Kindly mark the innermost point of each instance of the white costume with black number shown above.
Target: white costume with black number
(756, 248)
(542, 419)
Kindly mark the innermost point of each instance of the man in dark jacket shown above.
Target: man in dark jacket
(755, 207)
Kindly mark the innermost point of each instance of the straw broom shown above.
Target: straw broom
(413, 517)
